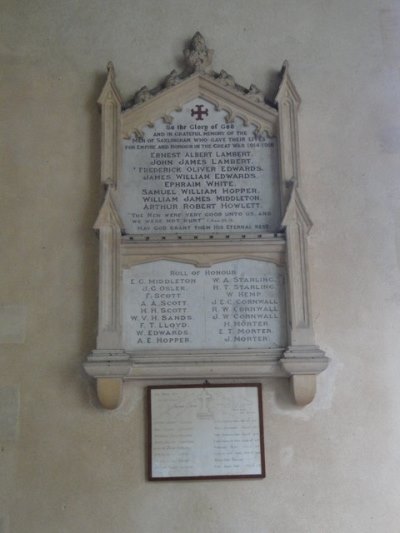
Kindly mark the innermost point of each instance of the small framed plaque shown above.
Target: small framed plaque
(205, 432)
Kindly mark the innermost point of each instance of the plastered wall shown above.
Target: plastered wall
(65, 465)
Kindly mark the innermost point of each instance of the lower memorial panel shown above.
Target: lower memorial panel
(237, 304)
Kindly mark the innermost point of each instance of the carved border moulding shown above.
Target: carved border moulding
(111, 363)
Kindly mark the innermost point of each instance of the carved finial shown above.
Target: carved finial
(142, 95)
(110, 70)
(255, 94)
(198, 56)
(110, 91)
(172, 79)
(226, 79)
(285, 68)
(287, 90)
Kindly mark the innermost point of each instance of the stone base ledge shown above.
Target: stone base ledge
(112, 367)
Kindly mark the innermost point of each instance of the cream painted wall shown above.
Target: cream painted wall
(65, 465)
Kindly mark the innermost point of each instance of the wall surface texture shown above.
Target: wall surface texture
(66, 466)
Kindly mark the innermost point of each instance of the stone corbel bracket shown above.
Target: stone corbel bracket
(302, 360)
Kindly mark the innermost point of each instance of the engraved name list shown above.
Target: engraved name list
(237, 304)
(199, 173)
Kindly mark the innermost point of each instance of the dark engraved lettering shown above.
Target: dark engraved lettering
(200, 174)
(243, 306)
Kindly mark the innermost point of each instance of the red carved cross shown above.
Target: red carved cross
(199, 112)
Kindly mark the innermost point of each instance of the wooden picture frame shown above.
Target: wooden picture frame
(205, 432)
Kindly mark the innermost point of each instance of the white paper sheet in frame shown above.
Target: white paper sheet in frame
(212, 431)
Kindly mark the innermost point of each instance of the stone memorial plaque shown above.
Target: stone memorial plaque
(236, 304)
(202, 170)
(200, 174)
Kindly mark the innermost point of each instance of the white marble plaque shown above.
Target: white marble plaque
(205, 432)
(199, 174)
(176, 306)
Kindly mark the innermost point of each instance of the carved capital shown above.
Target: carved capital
(303, 364)
(305, 359)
